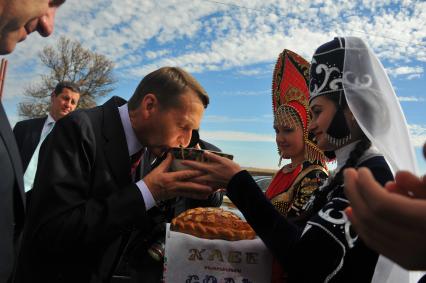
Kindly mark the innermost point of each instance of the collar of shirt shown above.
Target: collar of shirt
(342, 154)
(49, 121)
(133, 144)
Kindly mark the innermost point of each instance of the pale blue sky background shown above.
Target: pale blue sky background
(231, 47)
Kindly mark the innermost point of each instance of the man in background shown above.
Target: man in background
(30, 133)
(18, 18)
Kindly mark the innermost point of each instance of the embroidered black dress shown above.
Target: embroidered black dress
(325, 249)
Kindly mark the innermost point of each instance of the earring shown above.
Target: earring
(338, 142)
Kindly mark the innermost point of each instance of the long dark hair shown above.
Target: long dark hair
(321, 196)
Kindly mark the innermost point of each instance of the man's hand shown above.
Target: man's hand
(164, 185)
(393, 224)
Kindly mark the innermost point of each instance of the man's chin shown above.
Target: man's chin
(7, 47)
(63, 114)
(9, 39)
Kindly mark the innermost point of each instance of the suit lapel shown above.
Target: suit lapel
(34, 134)
(10, 144)
(115, 147)
(38, 125)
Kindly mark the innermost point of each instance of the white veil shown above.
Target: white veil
(376, 108)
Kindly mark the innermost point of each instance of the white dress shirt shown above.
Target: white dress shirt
(47, 127)
(31, 170)
(133, 145)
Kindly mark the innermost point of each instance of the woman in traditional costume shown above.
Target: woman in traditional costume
(294, 183)
(356, 117)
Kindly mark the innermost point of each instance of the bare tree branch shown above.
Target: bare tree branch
(69, 61)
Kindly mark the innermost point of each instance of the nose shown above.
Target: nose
(279, 137)
(46, 22)
(185, 138)
(312, 126)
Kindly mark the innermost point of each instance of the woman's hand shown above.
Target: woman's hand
(218, 171)
(164, 185)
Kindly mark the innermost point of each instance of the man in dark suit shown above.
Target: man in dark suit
(17, 19)
(139, 266)
(63, 100)
(87, 201)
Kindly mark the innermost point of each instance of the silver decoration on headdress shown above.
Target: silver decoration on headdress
(323, 68)
(352, 80)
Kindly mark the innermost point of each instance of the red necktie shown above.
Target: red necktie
(135, 160)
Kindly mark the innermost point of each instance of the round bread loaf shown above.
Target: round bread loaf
(212, 223)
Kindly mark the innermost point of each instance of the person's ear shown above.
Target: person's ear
(350, 118)
(355, 129)
(149, 104)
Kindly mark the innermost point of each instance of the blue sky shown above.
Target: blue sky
(231, 47)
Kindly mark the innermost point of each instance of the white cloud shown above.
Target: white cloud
(207, 36)
(417, 134)
(415, 71)
(413, 76)
(155, 54)
(410, 99)
(251, 72)
(236, 136)
(15, 84)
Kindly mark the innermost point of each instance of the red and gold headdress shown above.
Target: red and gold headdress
(290, 99)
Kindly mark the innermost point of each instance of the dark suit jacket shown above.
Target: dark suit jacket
(11, 197)
(27, 134)
(84, 203)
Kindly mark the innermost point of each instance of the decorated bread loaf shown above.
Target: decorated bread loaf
(212, 223)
